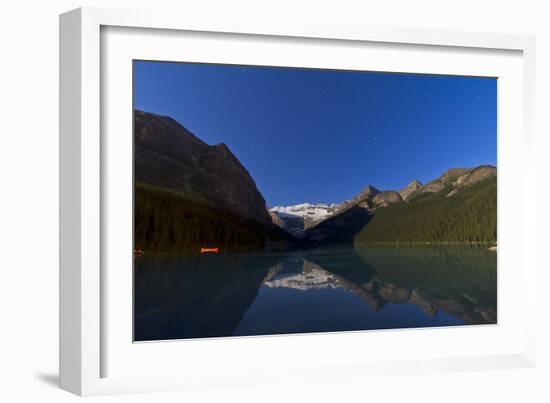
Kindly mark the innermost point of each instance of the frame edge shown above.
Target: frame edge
(79, 347)
(70, 119)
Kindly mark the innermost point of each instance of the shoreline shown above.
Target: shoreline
(261, 251)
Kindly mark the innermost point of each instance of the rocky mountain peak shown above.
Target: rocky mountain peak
(363, 199)
(368, 191)
(410, 188)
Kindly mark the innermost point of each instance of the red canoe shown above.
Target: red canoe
(210, 250)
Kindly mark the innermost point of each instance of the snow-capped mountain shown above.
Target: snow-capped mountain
(299, 217)
(307, 210)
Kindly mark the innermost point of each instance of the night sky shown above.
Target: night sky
(320, 136)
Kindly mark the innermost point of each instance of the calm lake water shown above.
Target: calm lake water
(316, 290)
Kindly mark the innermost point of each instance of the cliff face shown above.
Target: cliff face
(384, 199)
(169, 156)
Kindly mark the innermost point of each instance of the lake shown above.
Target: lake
(325, 289)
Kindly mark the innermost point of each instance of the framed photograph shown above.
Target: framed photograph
(244, 201)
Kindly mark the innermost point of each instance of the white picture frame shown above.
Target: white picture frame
(86, 333)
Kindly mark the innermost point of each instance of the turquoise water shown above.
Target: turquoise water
(315, 290)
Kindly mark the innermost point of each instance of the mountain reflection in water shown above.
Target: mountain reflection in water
(316, 290)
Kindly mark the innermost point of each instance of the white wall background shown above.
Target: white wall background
(29, 200)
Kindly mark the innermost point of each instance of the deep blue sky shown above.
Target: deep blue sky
(320, 136)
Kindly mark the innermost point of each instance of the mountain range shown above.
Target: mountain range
(458, 206)
(189, 194)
